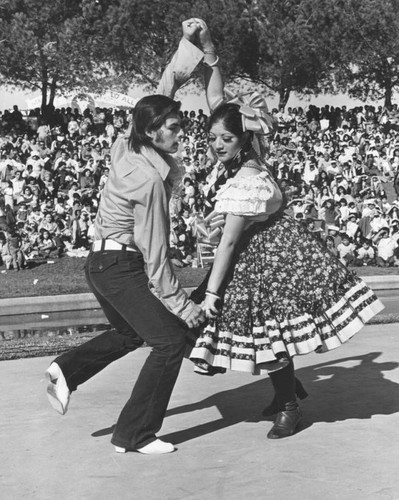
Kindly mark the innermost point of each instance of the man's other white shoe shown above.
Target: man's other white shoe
(57, 390)
(157, 447)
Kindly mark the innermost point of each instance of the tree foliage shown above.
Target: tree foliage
(302, 46)
(46, 46)
(369, 49)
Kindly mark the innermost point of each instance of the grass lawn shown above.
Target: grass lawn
(66, 276)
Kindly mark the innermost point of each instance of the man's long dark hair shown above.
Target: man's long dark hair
(149, 114)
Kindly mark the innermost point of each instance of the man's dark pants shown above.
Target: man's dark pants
(118, 281)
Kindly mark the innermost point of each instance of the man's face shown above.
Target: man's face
(166, 138)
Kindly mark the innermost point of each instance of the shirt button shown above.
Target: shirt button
(101, 267)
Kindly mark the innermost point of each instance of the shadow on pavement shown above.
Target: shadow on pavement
(336, 393)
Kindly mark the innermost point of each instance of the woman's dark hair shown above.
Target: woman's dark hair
(149, 114)
(230, 115)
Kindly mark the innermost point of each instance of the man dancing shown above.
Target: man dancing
(129, 272)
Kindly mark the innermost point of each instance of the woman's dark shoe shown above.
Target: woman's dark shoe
(286, 421)
(274, 408)
(208, 370)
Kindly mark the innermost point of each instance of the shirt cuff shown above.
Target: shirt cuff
(183, 63)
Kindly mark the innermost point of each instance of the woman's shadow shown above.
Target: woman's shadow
(336, 393)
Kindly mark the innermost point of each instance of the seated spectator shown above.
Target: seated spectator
(60, 208)
(176, 255)
(334, 233)
(352, 227)
(328, 213)
(49, 224)
(37, 164)
(343, 211)
(365, 255)
(346, 250)
(91, 229)
(8, 193)
(87, 183)
(79, 225)
(13, 255)
(189, 193)
(18, 184)
(46, 245)
(73, 194)
(386, 246)
(316, 230)
(330, 245)
(35, 216)
(28, 247)
(6, 254)
(103, 178)
(22, 214)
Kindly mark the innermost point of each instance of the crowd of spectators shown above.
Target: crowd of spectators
(338, 169)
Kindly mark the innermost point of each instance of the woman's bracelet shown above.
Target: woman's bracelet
(211, 50)
(212, 64)
(211, 294)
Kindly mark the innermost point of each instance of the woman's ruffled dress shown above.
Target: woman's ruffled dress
(286, 293)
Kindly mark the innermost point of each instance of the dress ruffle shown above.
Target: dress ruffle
(249, 196)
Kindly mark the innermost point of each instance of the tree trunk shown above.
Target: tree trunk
(283, 95)
(44, 83)
(44, 94)
(388, 96)
(53, 88)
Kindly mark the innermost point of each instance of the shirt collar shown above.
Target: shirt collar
(163, 164)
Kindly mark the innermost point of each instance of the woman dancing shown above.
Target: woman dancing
(274, 291)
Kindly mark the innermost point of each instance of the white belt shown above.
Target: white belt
(109, 245)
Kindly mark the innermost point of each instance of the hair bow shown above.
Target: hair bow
(254, 112)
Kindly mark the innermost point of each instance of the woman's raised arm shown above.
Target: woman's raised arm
(213, 76)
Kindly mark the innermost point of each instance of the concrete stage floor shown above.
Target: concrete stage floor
(347, 447)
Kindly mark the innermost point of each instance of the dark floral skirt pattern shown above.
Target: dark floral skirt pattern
(286, 295)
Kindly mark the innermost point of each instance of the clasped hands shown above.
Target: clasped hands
(199, 313)
(194, 28)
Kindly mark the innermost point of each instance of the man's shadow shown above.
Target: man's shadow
(336, 393)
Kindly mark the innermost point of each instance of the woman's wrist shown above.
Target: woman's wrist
(215, 62)
(212, 294)
(210, 57)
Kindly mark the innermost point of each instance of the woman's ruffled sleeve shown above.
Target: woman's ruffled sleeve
(252, 196)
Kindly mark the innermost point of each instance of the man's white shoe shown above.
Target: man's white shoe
(157, 447)
(57, 390)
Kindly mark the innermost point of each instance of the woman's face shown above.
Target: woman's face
(224, 143)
